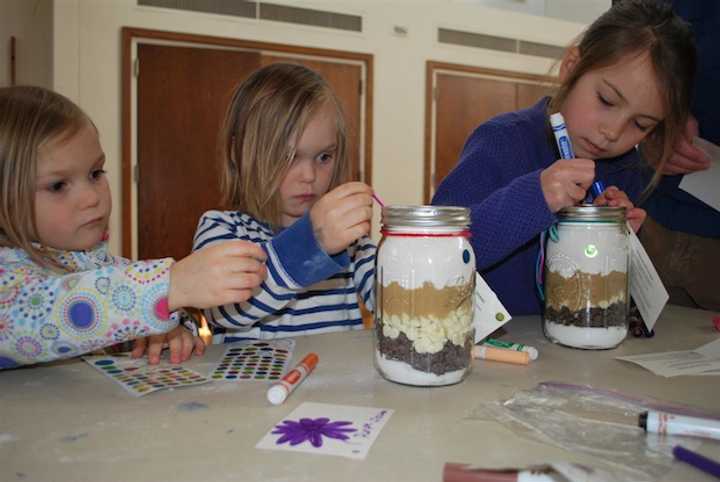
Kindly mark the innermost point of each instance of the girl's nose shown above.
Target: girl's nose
(90, 195)
(308, 170)
(611, 130)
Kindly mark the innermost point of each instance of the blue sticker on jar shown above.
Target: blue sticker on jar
(466, 256)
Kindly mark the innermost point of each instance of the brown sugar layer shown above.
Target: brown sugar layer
(584, 290)
(426, 301)
(452, 357)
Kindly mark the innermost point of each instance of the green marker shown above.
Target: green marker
(508, 345)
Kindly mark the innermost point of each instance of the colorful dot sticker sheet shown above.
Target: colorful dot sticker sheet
(254, 360)
(139, 378)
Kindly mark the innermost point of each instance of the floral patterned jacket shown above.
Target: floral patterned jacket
(99, 300)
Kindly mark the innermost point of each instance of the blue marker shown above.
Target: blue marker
(561, 136)
(566, 152)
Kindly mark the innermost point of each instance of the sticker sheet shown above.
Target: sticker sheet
(139, 378)
(326, 429)
(254, 360)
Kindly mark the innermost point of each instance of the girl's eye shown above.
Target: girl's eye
(58, 186)
(97, 173)
(326, 157)
(643, 128)
(604, 101)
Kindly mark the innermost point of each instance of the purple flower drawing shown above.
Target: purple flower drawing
(312, 430)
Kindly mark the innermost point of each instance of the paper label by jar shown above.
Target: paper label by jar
(488, 313)
(646, 288)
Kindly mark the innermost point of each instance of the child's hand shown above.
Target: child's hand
(614, 197)
(565, 182)
(342, 216)
(180, 341)
(686, 157)
(217, 275)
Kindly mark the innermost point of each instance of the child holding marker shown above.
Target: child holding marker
(284, 169)
(627, 80)
(61, 293)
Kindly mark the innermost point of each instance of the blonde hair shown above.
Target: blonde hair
(30, 117)
(267, 115)
(635, 27)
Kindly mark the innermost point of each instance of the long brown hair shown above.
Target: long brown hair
(30, 117)
(634, 27)
(268, 111)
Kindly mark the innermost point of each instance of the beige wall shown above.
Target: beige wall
(87, 65)
(30, 22)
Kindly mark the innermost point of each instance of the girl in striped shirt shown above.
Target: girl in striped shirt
(285, 165)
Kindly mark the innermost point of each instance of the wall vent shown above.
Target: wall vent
(264, 11)
(504, 44)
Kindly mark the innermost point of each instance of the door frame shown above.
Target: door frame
(432, 69)
(131, 36)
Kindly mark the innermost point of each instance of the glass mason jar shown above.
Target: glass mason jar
(586, 282)
(425, 278)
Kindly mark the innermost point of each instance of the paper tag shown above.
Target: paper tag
(488, 313)
(646, 288)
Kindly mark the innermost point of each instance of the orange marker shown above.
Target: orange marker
(279, 392)
(500, 354)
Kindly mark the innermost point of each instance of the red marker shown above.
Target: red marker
(279, 392)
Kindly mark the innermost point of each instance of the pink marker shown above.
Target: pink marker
(379, 201)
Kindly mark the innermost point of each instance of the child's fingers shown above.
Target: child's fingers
(188, 343)
(139, 348)
(175, 344)
(199, 346)
(154, 348)
(243, 248)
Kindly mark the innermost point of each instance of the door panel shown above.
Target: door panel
(529, 94)
(182, 96)
(463, 103)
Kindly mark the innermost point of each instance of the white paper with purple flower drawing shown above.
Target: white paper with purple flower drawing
(321, 428)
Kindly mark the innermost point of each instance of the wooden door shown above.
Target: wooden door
(461, 98)
(182, 96)
(463, 103)
(346, 81)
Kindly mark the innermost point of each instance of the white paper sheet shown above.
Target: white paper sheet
(327, 429)
(704, 360)
(705, 185)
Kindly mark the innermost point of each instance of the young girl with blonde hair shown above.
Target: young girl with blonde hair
(285, 164)
(61, 293)
(626, 81)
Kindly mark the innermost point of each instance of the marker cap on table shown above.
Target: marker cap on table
(698, 461)
(279, 392)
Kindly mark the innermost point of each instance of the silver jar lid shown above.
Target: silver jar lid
(425, 216)
(591, 213)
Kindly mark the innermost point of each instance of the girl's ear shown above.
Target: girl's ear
(569, 62)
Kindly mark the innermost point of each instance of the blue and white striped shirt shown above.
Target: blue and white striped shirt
(306, 290)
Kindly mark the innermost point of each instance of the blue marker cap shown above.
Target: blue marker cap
(597, 188)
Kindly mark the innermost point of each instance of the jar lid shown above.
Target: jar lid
(589, 212)
(425, 216)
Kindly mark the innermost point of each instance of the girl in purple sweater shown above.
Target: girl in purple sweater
(628, 80)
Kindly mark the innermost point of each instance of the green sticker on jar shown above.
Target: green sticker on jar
(591, 251)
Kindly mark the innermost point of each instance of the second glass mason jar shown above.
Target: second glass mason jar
(425, 278)
(586, 278)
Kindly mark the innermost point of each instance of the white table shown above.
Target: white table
(66, 422)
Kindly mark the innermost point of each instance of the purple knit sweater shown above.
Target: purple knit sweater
(498, 178)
